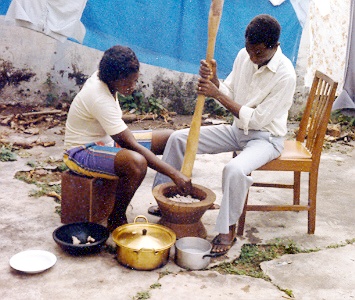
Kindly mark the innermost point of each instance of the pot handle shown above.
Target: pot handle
(156, 252)
(213, 255)
(141, 217)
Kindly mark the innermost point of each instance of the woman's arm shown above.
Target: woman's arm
(126, 140)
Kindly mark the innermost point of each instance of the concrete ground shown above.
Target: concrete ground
(28, 223)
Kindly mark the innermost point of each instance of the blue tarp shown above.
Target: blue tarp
(4, 5)
(173, 34)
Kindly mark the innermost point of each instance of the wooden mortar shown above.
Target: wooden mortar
(183, 218)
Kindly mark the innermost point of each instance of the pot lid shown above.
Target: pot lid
(139, 236)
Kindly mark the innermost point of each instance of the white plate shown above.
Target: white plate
(33, 261)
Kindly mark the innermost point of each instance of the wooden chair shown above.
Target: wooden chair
(302, 154)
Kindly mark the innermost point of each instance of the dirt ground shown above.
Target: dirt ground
(28, 220)
(20, 117)
(30, 122)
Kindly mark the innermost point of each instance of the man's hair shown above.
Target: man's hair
(263, 29)
(117, 62)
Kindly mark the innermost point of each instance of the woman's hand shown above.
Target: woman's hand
(183, 183)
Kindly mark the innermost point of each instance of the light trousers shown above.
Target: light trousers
(257, 148)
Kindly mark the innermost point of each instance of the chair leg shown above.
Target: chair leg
(241, 221)
(312, 196)
(296, 188)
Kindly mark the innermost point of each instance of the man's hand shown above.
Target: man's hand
(208, 85)
(209, 71)
(207, 88)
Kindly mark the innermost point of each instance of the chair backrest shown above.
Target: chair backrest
(316, 115)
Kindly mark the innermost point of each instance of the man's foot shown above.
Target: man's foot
(223, 242)
(155, 210)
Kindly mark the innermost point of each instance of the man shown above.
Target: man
(258, 92)
(99, 143)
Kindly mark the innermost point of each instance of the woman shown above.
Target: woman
(99, 143)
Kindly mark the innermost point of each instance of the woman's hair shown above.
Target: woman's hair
(117, 62)
(263, 29)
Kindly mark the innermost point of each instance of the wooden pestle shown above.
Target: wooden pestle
(214, 18)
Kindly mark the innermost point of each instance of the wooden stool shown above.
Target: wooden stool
(86, 198)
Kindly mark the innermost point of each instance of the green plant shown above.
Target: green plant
(139, 104)
(252, 255)
(58, 210)
(344, 120)
(155, 286)
(132, 102)
(62, 167)
(32, 164)
(287, 292)
(212, 107)
(146, 295)
(142, 296)
(342, 244)
(164, 273)
(45, 189)
(155, 106)
(7, 155)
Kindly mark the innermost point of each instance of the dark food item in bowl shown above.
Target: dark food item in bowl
(63, 236)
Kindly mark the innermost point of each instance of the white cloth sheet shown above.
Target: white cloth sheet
(346, 99)
(59, 19)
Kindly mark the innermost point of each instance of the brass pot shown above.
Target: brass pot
(143, 245)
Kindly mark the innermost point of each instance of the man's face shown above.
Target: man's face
(126, 86)
(260, 54)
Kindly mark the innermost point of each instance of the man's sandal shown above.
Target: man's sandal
(154, 210)
(222, 242)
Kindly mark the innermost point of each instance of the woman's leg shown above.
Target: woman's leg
(131, 168)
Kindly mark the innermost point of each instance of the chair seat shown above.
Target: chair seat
(294, 157)
(295, 150)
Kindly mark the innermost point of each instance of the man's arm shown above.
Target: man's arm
(209, 89)
(208, 85)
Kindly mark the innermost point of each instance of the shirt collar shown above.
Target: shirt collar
(275, 60)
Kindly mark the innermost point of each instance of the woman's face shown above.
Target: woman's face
(126, 86)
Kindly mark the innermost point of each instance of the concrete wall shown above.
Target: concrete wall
(50, 62)
(55, 71)
(37, 69)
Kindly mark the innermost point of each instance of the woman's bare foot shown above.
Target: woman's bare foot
(113, 223)
(223, 242)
